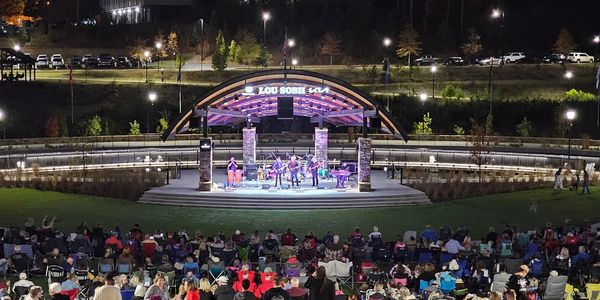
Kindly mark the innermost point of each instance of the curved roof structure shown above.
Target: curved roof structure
(255, 95)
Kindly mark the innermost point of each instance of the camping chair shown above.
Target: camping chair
(105, 266)
(124, 268)
(149, 249)
(499, 283)
(292, 269)
(593, 290)
(215, 271)
(423, 285)
(445, 257)
(425, 257)
(555, 288)
(513, 264)
(340, 271)
(447, 284)
(84, 282)
(20, 263)
(20, 291)
(170, 279)
(55, 274)
(506, 249)
(485, 246)
(127, 294)
(191, 267)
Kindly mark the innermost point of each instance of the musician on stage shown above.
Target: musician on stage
(294, 167)
(231, 168)
(314, 171)
(278, 168)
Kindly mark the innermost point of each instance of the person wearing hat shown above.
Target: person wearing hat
(21, 287)
(223, 291)
(55, 292)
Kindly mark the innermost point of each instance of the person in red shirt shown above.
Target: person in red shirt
(288, 239)
(192, 292)
(114, 242)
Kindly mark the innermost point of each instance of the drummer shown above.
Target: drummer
(231, 168)
(314, 171)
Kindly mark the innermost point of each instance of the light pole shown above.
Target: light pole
(294, 62)
(201, 43)
(423, 98)
(266, 16)
(158, 46)
(496, 13)
(291, 43)
(147, 57)
(568, 76)
(596, 41)
(17, 47)
(433, 71)
(2, 117)
(570, 115)
(152, 97)
(386, 44)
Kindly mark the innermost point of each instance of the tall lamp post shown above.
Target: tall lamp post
(291, 43)
(596, 41)
(147, 58)
(387, 42)
(433, 71)
(152, 97)
(158, 46)
(266, 16)
(201, 43)
(294, 62)
(496, 14)
(570, 115)
(2, 117)
(568, 76)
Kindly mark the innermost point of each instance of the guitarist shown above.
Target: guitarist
(294, 166)
(278, 167)
(314, 171)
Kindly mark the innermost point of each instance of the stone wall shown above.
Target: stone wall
(364, 164)
(205, 160)
(321, 144)
(249, 146)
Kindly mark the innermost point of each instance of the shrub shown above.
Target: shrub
(458, 130)
(575, 95)
(424, 127)
(524, 128)
(451, 91)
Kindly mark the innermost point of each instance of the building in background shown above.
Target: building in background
(143, 11)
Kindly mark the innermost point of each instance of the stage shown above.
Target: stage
(183, 192)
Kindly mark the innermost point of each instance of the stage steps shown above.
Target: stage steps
(287, 199)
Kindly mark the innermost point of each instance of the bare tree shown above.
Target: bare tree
(481, 144)
(330, 45)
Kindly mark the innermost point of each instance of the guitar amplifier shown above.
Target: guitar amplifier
(251, 171)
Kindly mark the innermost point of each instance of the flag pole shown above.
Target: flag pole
(72, 102)
(179, 79)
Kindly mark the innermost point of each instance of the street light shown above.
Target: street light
(152, 97)
(291, 43)
(158, 46)
(17, 47)
(147, 56)
(387, 42)
(433, 71)
(570, 115)
(423, 97)
(294, 62)
(496, 14)
(266, 16)
(568, 76)
(596, 41)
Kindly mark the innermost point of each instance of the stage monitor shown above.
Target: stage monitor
(285, 108)
(375, 123)
(205, 145)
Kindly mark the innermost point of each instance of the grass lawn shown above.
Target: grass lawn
(476, 213)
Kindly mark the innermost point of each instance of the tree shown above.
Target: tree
(94, 126)
(163, 124)
(565, 42)
(408, 43)
(162, 51)
(264, 57)
(219, 59)
(249, 49)
(11, 8)
(53, 127)
(172, 47)
(525, 127)
(233, 52)
(473, 44)
(330, 45)
(480, 151)
(424, 127)
(137, 50)
(134, 128)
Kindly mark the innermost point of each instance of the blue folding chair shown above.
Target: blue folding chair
(448, 284)
(425, 257)
(445, 257)
(423, 285)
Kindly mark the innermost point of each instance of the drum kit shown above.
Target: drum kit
(234, 178)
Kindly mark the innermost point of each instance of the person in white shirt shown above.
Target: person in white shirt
(22, 283)
(453, 246)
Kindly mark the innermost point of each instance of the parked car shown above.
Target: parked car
(513, 57)
(558, 58)
(89, 61)
(455, 61)
(486, 61)
(124, 62)
(75, 61)
(56, 61)
(41, 61)
(426, 60)
(579, 57)
(106, 60)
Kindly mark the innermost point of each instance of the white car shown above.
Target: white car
(513, 57)
(41, 61)
(490, 60)
(57, 61)
(579, 57)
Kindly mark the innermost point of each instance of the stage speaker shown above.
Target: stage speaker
(352, 165)
(266, 186)
(375, 123)
(251, 171)
(285, 108)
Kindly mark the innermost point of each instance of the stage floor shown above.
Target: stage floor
(386, 192)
